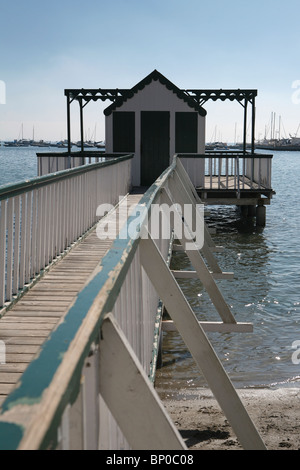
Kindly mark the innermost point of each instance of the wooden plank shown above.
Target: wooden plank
(130, 396)
(26, 325)
(9, 377)
(21, 349)
(5, 389)
(41, 302)
(40, 308)
(18, 358)
(199, 345)
(40, 294)
(21, 340)
(57, 286)
(22, 314)
(32, 333)
(10, 318)
(14, 367)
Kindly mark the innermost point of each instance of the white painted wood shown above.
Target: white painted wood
(16, 246)
(203, 272)
(193, 275)
(3, 250)
(90, 400)
(76, 430)
(193, 195)
(131, 397)
(199, 346)
(42, 223)
(10, 238)
(64, 430)
(179, 194)
(214, 327)
(23, 239)
(28, 216)
(33, 267)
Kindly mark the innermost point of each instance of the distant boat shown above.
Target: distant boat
(40, 143)
(17, 143)
(100, 144)
(292, 144)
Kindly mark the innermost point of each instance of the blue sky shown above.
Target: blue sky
(46, 47)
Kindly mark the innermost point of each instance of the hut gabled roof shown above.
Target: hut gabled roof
(156, 76)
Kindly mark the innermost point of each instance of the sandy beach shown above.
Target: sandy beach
(203, 426)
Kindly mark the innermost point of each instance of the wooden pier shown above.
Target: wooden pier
(82, 333)
(85, 276)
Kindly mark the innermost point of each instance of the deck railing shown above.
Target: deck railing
(42, 217)
(51, 162)
(99, 358)
(226, 170)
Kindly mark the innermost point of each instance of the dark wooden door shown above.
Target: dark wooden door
(155, 145)
(186, 132)
(124, 131)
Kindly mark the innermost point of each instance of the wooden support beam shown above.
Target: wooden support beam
(130, 396)
(214, 327)
(199, 345)
(193, 275)
(213, 249)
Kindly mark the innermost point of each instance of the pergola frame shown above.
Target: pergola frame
(84, 96)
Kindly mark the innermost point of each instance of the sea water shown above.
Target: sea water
(265, 290)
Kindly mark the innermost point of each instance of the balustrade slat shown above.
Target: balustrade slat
(16, 245)
(10, 238)
(2, 250)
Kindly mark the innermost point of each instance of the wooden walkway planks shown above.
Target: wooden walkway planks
(27, 325)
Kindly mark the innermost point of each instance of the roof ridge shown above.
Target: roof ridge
(154, 76)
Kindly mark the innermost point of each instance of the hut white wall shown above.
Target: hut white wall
(155, 97)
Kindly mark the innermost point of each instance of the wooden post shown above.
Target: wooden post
(253, 126)
(81, 124)
(245, 126)
(69, 124)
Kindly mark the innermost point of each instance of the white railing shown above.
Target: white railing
(229, 170)
(51, 162)
(42, 217)
(95, 391)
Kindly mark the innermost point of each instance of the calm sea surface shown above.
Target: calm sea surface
(265, 291)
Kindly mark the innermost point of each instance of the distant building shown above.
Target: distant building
(154, 121)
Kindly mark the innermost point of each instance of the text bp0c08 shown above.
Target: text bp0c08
(172, 459)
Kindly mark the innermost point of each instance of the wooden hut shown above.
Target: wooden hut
(155, 120)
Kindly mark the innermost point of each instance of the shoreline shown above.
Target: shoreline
(203, 425)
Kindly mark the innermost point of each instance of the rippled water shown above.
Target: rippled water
(265, 291)
(18, 164)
